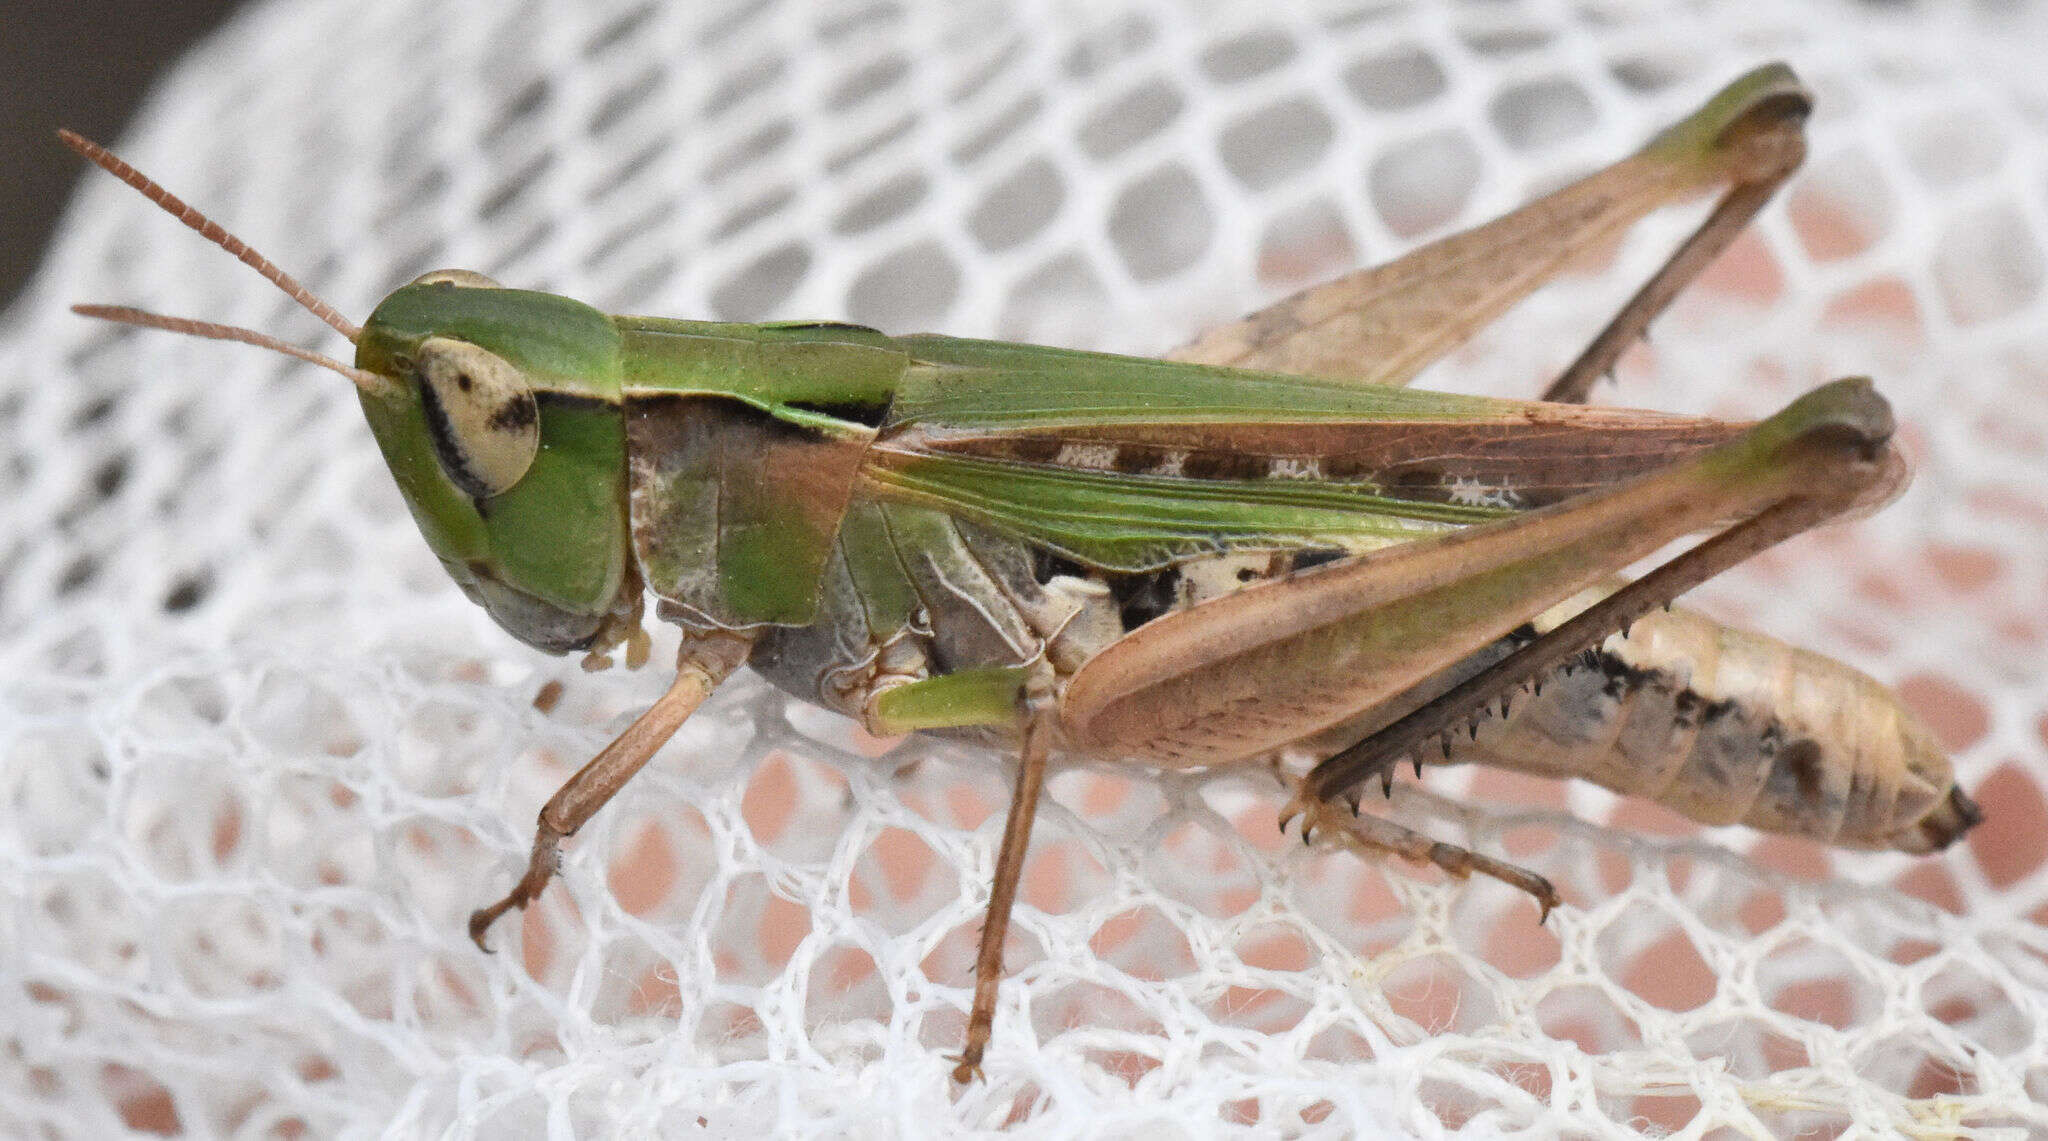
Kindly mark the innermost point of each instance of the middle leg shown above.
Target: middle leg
(988, 962)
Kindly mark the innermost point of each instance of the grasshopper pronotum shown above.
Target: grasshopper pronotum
(1265, 545)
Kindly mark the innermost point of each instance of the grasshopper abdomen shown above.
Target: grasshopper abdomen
(1726, 727)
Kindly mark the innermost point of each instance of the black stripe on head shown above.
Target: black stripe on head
(448, 449)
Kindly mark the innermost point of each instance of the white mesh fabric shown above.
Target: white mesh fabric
(258, 758)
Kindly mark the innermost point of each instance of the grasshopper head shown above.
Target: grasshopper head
(499, 417)
(498, 412)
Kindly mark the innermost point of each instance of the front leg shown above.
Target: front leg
(706, 659)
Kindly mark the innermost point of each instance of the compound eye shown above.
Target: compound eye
(481, 414)
(465, 278)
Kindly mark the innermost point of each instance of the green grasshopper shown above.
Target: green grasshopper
(1264, 547)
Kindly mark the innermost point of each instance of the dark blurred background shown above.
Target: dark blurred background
(80, 65)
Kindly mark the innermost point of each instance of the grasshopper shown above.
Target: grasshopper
(1263, 547)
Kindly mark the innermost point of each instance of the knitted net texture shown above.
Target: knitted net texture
(259, 758)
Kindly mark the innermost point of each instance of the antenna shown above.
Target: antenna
(124, 315)
(213, 232)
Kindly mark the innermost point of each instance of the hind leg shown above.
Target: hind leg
(1365, 833)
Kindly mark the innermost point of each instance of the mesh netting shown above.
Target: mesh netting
(258, 758)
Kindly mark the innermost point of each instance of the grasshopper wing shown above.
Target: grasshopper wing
(1128, 465)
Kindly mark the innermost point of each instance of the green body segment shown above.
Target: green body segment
(992, 385)
(874, 570)
(985, 696)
